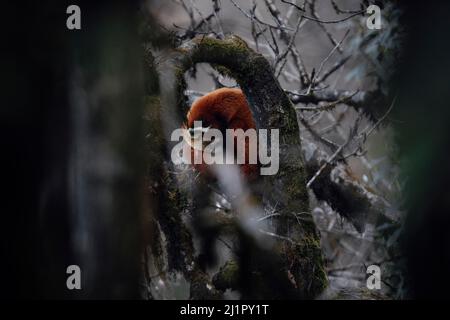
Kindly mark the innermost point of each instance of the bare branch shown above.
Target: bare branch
(331, 159)
(361, 12)
(257, 19)
(328, 57)
(328, 106)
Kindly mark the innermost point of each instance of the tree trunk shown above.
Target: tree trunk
(297, 242)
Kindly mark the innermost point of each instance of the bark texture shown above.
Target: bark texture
(297, 243)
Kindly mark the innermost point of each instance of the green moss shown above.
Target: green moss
(228, 276)
(307, 266)
(181, 86)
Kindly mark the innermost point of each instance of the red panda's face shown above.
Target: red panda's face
(194, 137)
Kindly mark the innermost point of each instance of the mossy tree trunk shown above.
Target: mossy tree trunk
(169, 239)
(297, 242)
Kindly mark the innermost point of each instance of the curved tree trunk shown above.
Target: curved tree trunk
(296, 240)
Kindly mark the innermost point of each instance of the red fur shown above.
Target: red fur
(222, 109)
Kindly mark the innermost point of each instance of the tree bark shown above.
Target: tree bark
(298, 244)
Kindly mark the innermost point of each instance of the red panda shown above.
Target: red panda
(223, 109)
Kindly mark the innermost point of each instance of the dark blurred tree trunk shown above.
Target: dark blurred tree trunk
(73, 150)
(106, 178)
(424, 140)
